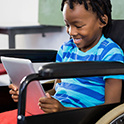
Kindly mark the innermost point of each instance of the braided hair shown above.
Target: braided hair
(101, 7)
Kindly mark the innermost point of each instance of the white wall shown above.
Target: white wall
(25, 12)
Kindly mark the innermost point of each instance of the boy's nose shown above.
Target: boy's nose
(72, 31)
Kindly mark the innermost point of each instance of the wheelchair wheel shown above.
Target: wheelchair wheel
(115, 116)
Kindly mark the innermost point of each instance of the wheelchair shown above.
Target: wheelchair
(102, 114)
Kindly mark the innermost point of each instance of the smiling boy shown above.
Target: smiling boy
(86, 22)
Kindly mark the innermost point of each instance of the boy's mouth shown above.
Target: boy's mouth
(77, 40)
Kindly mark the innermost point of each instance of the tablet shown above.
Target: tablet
(17, 69)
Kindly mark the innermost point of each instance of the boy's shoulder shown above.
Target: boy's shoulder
(108, 43)
(109, 50)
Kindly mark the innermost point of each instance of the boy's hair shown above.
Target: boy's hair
(101, 7)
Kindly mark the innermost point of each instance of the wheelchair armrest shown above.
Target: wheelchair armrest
(80, 69)
(67, 70)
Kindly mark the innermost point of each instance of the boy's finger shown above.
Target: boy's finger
(14, 96)
(15, 100)
(45, 100)
(48, 95)
(13, 87)
(49, 106)
(14, 92)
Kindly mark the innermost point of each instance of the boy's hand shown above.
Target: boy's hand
(14, 92)
(49, 104)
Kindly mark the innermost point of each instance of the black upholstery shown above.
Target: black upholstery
(6, 102)
(116, 32)
(32, 54)
(79, 116)
(80, 69)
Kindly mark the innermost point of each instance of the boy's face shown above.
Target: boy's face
(83, 26)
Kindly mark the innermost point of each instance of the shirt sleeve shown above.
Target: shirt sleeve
(114, 55)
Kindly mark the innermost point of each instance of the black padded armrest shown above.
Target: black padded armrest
(80, 69)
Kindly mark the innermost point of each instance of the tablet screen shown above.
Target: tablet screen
(17, 69)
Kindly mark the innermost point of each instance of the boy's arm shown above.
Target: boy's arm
(112, 95)
(113, 88)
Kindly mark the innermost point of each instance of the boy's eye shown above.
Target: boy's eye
(67, 25)
(79, 26)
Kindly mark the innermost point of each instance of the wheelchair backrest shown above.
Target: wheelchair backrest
(116, 33)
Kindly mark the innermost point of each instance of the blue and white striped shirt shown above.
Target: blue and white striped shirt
(86, 91)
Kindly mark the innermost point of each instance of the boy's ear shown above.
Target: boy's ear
(105, 19)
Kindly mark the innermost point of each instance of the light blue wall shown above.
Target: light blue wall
(50, 13)
(117, 9)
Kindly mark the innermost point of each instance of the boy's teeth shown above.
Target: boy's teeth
(78, 39)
